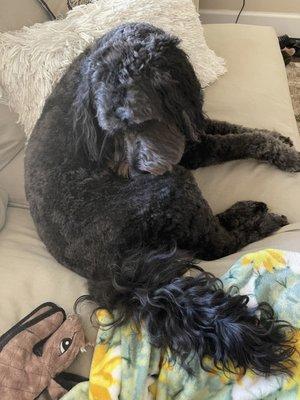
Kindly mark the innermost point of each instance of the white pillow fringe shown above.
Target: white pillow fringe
(33, 59)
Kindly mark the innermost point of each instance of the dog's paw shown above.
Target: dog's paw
(284, 139)
(241, 213)
(271, 223)
(259, 227)
(288, 161)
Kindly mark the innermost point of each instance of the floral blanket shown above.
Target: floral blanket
(125, 366)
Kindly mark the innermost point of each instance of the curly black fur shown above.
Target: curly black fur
(194, 315)
(108, 185)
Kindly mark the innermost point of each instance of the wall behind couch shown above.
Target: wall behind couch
(253, 5)
(16, 13)
(283, 15)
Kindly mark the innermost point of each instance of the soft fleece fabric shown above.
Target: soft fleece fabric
(125, 366)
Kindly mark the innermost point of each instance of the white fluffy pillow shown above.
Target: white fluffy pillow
(33, 59)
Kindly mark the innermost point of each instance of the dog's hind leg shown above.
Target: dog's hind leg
(222, 240)
(190, 315)
(214, 149)
(241, 212)
(189, 221)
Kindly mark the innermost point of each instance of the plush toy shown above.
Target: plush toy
(289, 48)
(35, 350)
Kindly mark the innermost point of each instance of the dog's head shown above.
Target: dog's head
(138, 86)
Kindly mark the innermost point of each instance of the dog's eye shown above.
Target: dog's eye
(65, 344)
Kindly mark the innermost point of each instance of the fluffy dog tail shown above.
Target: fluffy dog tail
(194, 316)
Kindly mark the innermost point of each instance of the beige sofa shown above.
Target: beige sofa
(254, 92)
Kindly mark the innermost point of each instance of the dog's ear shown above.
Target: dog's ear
(85, 124)
(180, 91)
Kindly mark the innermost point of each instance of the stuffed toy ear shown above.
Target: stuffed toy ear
(35, 321)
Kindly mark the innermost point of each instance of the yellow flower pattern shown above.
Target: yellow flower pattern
(125, 365)
(268, 259)
(105, 374)
(294, 381)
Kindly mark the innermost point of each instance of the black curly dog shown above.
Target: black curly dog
(110, 191)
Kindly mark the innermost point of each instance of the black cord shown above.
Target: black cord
(45, 6)
(69, 5)
(238, 17)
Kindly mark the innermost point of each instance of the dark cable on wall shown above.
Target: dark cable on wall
(238, 17)
(44, 5)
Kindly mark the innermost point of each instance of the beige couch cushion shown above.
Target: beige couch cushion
(12, 138)
(12, 142)
(3, 206)
(30, 276)
(12, 179)
(15, 14)
(255, 93)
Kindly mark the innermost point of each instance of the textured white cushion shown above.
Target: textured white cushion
(33, 59)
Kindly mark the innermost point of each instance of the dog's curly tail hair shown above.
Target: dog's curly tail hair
(194, 316)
